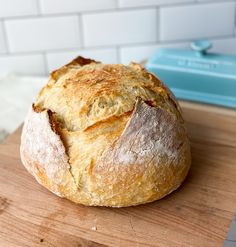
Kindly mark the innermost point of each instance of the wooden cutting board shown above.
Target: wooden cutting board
(199, 213)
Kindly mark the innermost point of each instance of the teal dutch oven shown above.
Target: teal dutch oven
(196, 74)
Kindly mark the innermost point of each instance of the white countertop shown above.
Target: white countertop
(16, 95)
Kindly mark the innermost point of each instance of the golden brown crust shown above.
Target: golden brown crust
(115, 134)
(77, 62)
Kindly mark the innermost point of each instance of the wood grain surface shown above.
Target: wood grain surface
(199, 213)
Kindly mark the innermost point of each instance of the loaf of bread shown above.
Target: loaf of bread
(106, 135)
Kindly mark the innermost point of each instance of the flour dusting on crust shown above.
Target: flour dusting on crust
(41, 146)
(152, 133)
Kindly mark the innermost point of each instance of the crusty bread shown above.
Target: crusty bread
(106, 135)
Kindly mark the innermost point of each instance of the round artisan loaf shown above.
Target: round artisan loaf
(106, 135)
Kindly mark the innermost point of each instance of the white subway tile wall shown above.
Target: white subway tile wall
(141, 53)
(22, 64)
(72, 6)
(207, 20)
(226, 46)
(121, 27)
(11, 8)
(38, 36)
(57, 59)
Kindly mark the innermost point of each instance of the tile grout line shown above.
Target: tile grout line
(39, 9)
(81, 31)
(194, 2)
(45, 61)
(158, 20)
(234, 31)
(118, 54)
(169, 42)
(6, 39)
(117, 4)
(72, 49)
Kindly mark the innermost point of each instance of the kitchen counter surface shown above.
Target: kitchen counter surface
(198, 214)
(16, 94)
